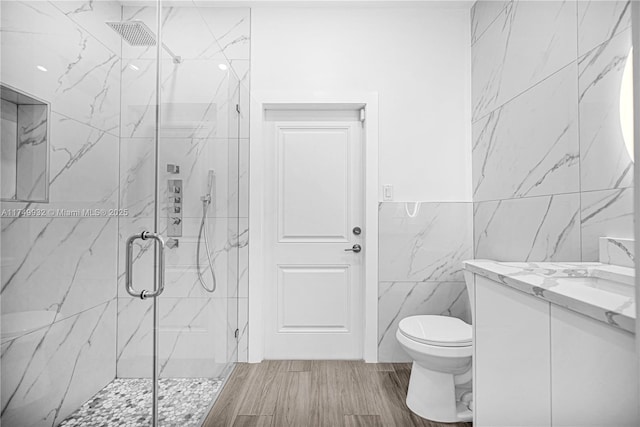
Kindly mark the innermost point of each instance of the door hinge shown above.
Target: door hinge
(237, 333)
(362, 115)
(238, 108)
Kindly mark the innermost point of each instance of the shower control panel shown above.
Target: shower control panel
(174, 211)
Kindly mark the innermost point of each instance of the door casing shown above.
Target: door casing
(260, 103)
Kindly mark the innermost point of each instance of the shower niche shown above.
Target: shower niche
(24, 141)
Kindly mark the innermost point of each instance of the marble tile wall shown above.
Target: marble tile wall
(59, 268)
(617, 251)
(200, 131)
(422, 246)
(551, 173)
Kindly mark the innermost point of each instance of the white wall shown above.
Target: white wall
(417, 59)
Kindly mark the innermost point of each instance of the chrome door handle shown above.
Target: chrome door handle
(356, 248)
(145, 235)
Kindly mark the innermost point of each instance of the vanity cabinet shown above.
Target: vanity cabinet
(539, 364)
(593, 380)
(512, 385)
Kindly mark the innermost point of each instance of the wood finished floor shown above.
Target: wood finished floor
(317, 394)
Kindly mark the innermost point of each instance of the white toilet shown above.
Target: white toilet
(441, 348)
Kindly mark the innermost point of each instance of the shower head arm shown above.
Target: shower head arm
(176, 59)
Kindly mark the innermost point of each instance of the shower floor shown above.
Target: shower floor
(127, 402)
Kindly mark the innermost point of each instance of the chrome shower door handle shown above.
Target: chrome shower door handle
(145, 235)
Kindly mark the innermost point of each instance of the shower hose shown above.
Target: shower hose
(203, 231)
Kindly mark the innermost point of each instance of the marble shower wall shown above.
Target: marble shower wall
(422, 246)
(200, 131)
(551, 173)
(59, 269)
(62, 307)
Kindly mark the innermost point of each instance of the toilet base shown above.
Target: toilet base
(432, 395)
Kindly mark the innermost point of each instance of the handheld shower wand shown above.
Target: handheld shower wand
(206, 201)
(211, 176)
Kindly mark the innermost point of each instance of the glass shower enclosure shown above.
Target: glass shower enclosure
(124, 209)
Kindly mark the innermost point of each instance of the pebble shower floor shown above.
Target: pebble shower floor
(127, 402)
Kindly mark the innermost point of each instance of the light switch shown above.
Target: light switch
(387, 192)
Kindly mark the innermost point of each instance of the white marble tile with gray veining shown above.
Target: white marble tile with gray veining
(233, 324)
(32, 125)
(215, 33)
(599, 21)
(83, 163)
(9, 132)
(193, 337)
(49, 373)
(243, 178)
(605, 213)
(137, 177)
(61, 262)
(397, 300)
(233, 177)
(530, 145)
(197, 99)
(239, 91)
(238, 178)
(603, 292)
(231, 28)
(54, 268)
(76, 152)
(92, 16)
(543, 228)
(423, 241)
(243, 328)
(483, 13)
(60, 63)
(243, 258)
(605, 162)
(538, 37)
(617, 251)
(174, 21)
(238, 258)
(31, 152)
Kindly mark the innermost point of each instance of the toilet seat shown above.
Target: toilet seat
(440, 331)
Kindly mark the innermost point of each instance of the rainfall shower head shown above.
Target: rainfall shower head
(136, 33)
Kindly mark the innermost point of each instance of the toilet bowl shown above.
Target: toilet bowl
(441, 348)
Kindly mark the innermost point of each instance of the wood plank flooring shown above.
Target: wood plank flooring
(317, 394)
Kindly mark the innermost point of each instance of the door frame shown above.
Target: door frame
(260, 103)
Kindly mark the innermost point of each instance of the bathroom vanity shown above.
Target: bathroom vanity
(553, 344)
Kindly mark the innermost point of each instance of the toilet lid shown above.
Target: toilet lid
(442, 331)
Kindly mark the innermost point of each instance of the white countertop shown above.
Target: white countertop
(601, 291)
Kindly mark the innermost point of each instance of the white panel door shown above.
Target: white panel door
(314, 200)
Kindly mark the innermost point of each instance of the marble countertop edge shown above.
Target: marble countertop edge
(525, 278)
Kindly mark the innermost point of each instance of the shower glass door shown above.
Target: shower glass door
(88, 162)
(182, 167)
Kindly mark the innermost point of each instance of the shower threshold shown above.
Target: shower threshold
(183, 402)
